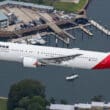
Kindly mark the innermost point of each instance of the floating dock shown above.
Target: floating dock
(85, 30)
(78, 26)
(100, 27)
(82, 27)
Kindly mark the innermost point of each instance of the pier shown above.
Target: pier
(100, 27)
(82, 27)
(85, 30)
(30, 37)
(62, 34)
(78, 26)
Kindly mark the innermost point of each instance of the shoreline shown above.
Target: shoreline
(87, 4)
(84, 7)
(3, 98)
(75, 8)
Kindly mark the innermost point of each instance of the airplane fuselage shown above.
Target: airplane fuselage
(31, 55)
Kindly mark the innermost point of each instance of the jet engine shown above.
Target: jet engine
(30, 62)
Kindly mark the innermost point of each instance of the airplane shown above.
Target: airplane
(34, 56)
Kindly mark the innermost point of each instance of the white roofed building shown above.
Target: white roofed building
(61, 107)
(97, 105)
(81, 106)
(72, 1)
(107, 106)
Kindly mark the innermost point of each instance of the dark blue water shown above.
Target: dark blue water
(90, 83)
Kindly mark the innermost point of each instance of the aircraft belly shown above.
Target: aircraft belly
(81, 64)
(9, 57)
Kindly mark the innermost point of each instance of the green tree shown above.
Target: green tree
(33, 103)
(52, 100)
(35, 106)
(38, 99)
(24, 88)
(24, 102)
(37, 103)
(62, 101)
(98, 98)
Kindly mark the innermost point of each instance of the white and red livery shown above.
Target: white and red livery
(33, 56)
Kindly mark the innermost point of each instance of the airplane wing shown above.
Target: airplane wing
(58, 60)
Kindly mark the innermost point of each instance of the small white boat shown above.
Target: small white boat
(72, 77)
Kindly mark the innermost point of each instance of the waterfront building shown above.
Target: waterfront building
(81, 106)
(61, 107)
(74, 1)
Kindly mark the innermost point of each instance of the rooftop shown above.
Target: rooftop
(26, 4)
(73, 1)
(83, 106)
(61, 107)
(79, 106)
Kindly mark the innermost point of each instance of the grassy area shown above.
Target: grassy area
(65, 6)
(3, 104)
(70, 7)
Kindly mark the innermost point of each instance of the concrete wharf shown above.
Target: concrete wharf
(30, 37)
(85, 30)
(62, 34)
